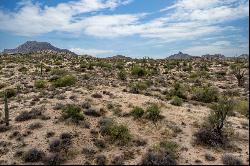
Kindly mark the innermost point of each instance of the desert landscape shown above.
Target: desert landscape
(124, 82)
(67, 109)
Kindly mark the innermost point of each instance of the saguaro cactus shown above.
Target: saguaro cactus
(41, 68)
(6, 109)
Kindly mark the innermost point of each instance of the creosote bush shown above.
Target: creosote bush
(10, 93)
(122, 75)
(153, 113)
(66, 80)
(40, 84)
(206, 94)
(138, 71)
(137, 112)
(73, 112)
(177, 101)
(118, 133)
(162, 154)
(33, 155)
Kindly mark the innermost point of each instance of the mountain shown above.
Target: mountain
(120, 57)
(34, 46)
(244, 56)
(180, 55)
(215, 56)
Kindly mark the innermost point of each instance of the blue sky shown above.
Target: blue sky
(136, 28)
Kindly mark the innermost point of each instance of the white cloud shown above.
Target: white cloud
(185, 19)
(33, 19)
(90, 51)
(220, 47)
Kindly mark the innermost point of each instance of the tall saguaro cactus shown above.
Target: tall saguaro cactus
(41, 68)
(6, 109)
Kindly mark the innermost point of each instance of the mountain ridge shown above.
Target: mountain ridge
(34, 46)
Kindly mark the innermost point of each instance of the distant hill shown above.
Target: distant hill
(34, 46)
(120, 57)
(215, 56)
(244, 56)
(180, 55)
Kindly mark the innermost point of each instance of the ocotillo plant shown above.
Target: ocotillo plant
(6, 109)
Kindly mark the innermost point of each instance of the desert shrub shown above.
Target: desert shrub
(138, 87)
(137, 112)
(176, 101)
(118, 160)
(35, 125)
(170, 146)
(66, 80)
(96, 95)
(221, 111)
(58, 72)
(33, 114)
(209, 137)
(153, 113)
(40, 84)
(229, 159)
(73, 112)
(138, 71)
(120, 65)
(92, 112)
(158, 157)
(2, 85)
(4, 128)
(55, 145)
(54, 159)
(212, 133)
(221, 74)
(120, 134)
(10, 92)
(101, 160)
(122, 75)
(178, 90)
(23, 69)
(206, 94)
(242, 106)
(33, 155)
(117, 133)
(105, 124)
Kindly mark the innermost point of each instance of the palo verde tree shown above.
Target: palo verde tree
(221, 111)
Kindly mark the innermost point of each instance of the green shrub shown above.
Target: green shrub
(153, 113)
(138, 71)
(138, 87)
(66, 80)
(212, 132)
(72, 111)
(23, 69)
(10, 93)
(58, 72)
(178, 91)
(170, 146)
(117, 133)
(40, 84)
(122, 75)
(176, 101)
(137, 112)
(206, 94)
(120, 134)
(221, 110)
(242, 106)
